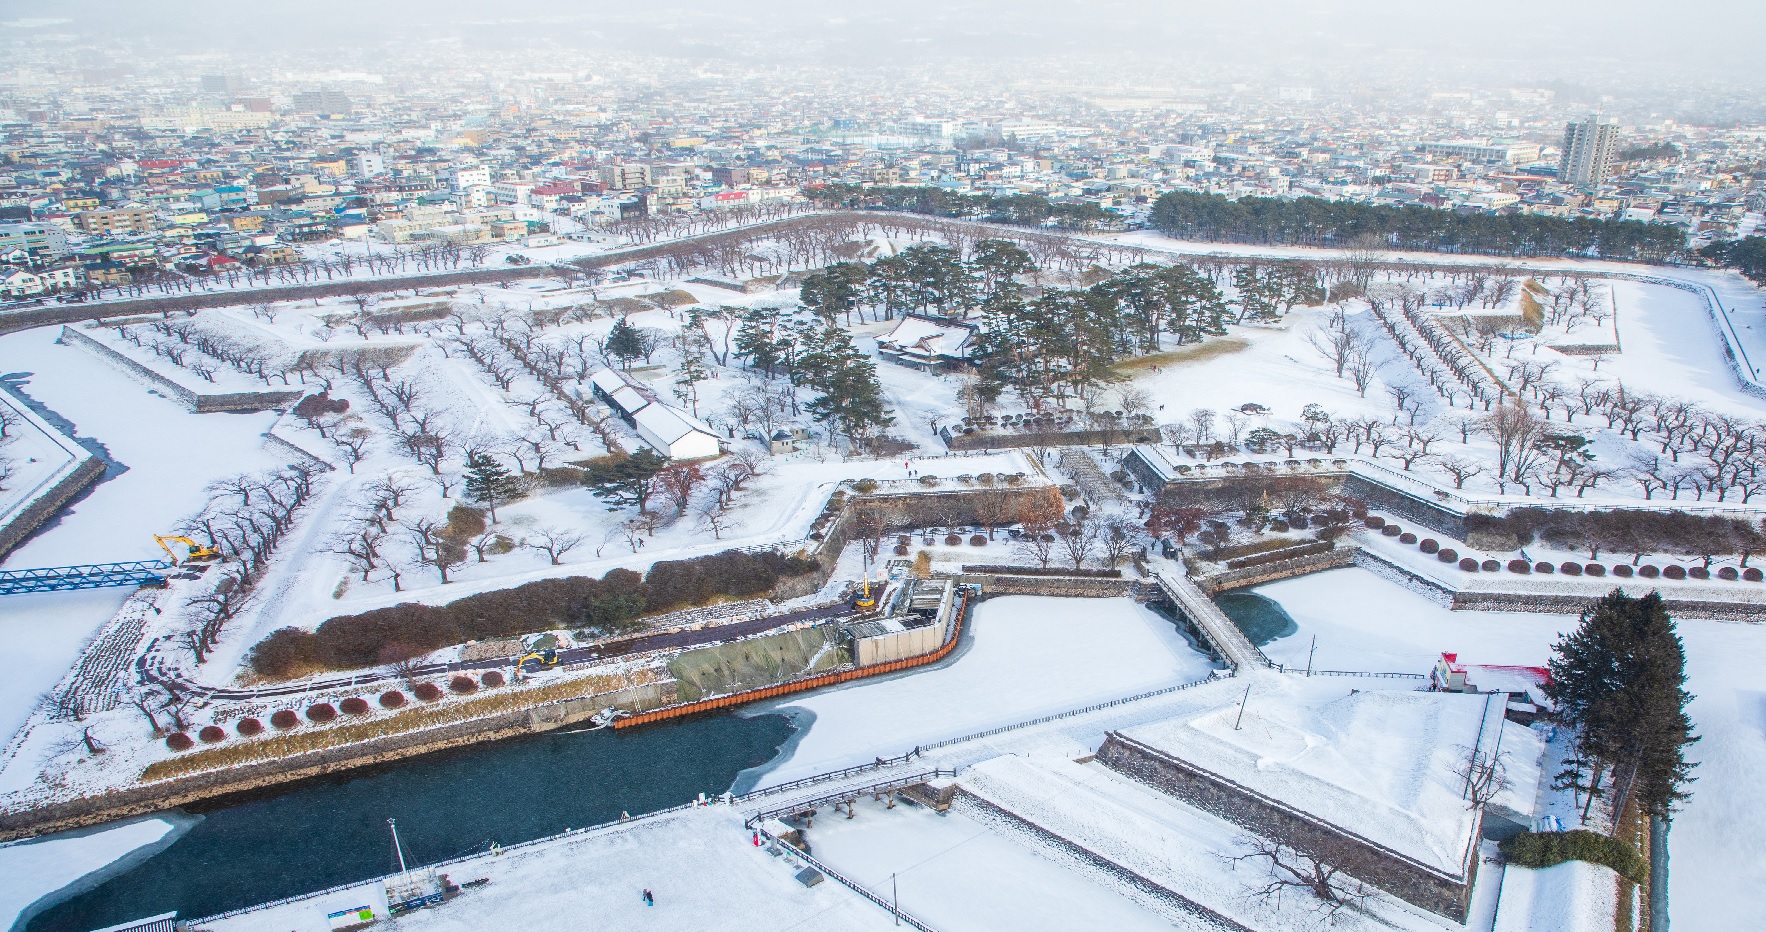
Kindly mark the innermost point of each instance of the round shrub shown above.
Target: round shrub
(285, 719)
(463, 684)
(1391, 530)
(1544, 567)
(354, 705)
(952, 540)
(428, 692)
(392, 699)
(1594, 569)
(1648, 571)
(901, 550)
(1520, 566)
(1407, 538)
(1376, 522)
(1490, 566)
(1753, 574)
(321, 712)
(1624, 570)
(212, 734)
(1298, 522)
(179, 741)
(249, 727)
(1570, 569)
(978, 540)
(1447, 555)
(1699, 572)
(491, 679)
(1728, 573)
(1673, 572)
(1279, 527)
(1469, 565)
(1429, 545)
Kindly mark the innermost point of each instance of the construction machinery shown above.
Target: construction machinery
(865, 601)
(541, 659)
(194, 552)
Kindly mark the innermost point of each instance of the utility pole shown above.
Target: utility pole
(894, 900)
(1242, 703)
(1309, 654)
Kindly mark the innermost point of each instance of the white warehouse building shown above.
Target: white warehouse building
(664, 428)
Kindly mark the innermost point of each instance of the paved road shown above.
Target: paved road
(677, 638)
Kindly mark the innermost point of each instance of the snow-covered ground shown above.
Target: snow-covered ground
(171, 455)
(966, 875)
(1028, 657)
(1366, 622)
(40, 873)
(1574, 896)
(699, 863)
(1381, 764)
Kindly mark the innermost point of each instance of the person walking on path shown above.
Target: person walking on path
(649, 898)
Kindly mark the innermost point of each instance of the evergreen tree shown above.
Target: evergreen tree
(489, 481)
(625, 480)
(625, 342)
(757, 339)
(1618, 680)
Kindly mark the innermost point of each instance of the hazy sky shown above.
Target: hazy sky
(1691, 41)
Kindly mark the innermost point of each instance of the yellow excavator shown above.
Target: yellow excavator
(865, 601)
(194, 552)
(543, 658)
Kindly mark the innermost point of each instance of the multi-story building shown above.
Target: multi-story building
(625, 177)
(35, 243)
(322, 102)
(112, 222)
(1588, 153)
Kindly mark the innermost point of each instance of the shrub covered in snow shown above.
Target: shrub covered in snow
(1594, 569)
(491, 679)
(212, 734)
(1623, 570)
(1569, 568)
(1448, 555)
(1544, 567)
(1408, 538)
(321, 712)
(1648, 571)
(392, 699)
(1520, 566)
(1429, 545)
(428, 692)
(1469, 565)
(1674, 572)
(354, 705)
(179, 741)
(463, 684)
(285, 719)
(249, 727)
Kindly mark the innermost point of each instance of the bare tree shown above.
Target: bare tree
(1037, 542)
(554, 542)
(1483, 777)
(434, 548)
(1460, 468)
(1286, 868)
(1079, 541)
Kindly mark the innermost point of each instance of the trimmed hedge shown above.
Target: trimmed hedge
(491, 679)
(212, 734)
(179, 741)
(1623, 570)
(392, 699)
(1276, 556)
(428, 692)
(1544, 849)
(1469, 565)
(463, 684)
(285, 719)
(1520, 566)
(613, 602)
(354, 705)
(1429, 545)
(321, 712)
(249, 727)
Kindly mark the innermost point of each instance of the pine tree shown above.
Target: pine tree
(625, 342)
(489, 481)
(626, 480)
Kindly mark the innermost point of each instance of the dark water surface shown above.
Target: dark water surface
(1262, 620)
(323, 833)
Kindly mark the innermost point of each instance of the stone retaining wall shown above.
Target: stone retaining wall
(1270, 572)
(1409, 880)
(200, 403)
(154, 797)
(46, 505)
(1081, 587)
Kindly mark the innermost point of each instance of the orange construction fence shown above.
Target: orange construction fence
(796, 686)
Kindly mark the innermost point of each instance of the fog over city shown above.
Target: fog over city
(956, 464)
